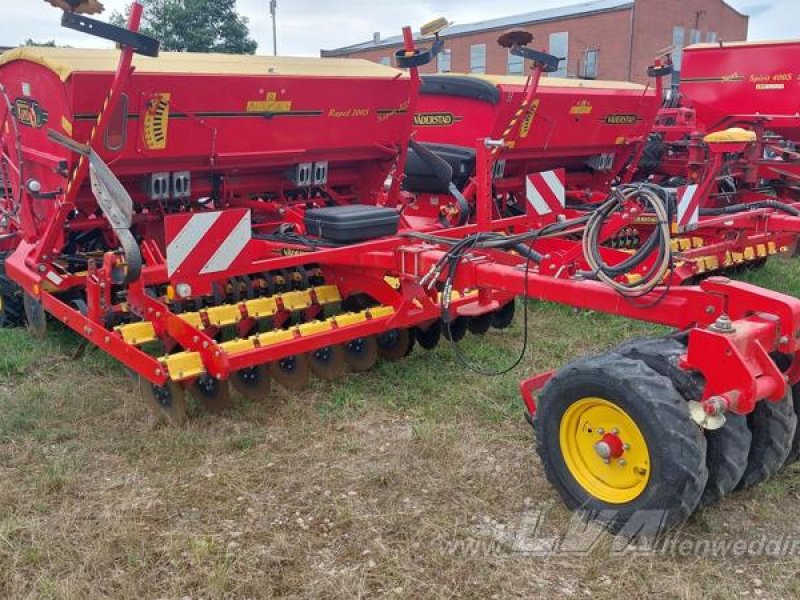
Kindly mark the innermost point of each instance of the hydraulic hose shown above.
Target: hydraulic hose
(659, 242)
(734, 209)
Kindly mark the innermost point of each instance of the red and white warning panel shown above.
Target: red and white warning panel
(546, 192)
(207, 243)
(688, 208)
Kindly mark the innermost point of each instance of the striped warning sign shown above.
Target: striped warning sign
(688, 207)
(546, 192)
(205, 243)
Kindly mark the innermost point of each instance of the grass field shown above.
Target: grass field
(405, 482)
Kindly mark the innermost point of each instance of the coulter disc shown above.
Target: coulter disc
(35, 316)
(429, 338)
(167, 403)
(503, 317)
(213, 394)
(291, 372)
(456, 330)
(480, 325)
(361, 353)
(253, 383)
(328, 363)
(395, 344)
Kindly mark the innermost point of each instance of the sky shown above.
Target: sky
(306, 26)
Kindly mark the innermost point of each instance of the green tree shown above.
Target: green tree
(30, 42)
(196, 26)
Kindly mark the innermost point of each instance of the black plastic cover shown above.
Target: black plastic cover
(420, 178)
(352, 223)
(461, 86)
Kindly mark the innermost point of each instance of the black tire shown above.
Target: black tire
(12, 311)
(773, 425)
(794, 455)
(728, 448)
(676, 446)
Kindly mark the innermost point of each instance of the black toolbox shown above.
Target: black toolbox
(352, 223)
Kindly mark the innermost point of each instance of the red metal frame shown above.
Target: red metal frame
(732, 327)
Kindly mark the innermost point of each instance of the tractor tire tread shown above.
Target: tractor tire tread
(662, 412)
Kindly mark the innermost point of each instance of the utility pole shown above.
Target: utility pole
(273, 10)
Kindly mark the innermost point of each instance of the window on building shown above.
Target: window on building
(445, 61)
(385, 60)
(516, 64)
(559, 46)
(711, 38)
(678, 42)
(589, 70)
(696, 37)
(477, 58)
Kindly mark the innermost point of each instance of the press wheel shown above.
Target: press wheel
(291, 372)
(328, 363)
(252, 383)
(167, 402)
(213, 394)
(361, 353)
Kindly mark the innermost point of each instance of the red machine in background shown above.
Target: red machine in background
(728, 137)
(208, 220)
(752, 84)
(730, 191)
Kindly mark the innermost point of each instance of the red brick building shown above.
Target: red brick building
(604, 39)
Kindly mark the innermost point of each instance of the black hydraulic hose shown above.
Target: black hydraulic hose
(734, 209)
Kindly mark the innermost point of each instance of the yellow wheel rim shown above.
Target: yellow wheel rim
(605, 450)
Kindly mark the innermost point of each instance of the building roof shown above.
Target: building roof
(539, 16)
(66, 61)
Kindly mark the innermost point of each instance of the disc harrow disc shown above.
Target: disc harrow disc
(503, 317)
(253, 383)
(35, 316)
(167, 403)
(429, 338)
(395, 344)
(328, 363)
(479, 325)
(361, 353)
(457, 329)
(292, 372)
(213, 394)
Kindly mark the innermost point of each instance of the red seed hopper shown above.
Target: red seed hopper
(744, 83)
(587, 127)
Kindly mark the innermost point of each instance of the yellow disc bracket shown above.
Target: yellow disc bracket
(604, 450)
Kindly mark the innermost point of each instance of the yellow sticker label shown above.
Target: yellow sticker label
(156, 121)
(583, 107)
(525, 130)
(270, 105)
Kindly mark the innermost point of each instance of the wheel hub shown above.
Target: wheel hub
(604, 450)
(610, 447)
